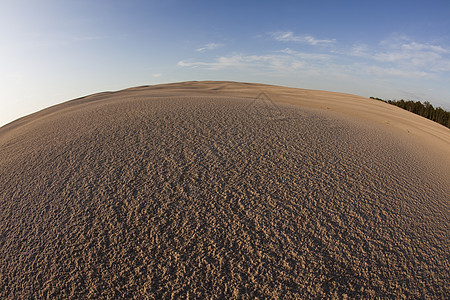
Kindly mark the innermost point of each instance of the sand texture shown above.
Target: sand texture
(211, 190)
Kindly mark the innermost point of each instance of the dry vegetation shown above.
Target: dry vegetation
(127, 196)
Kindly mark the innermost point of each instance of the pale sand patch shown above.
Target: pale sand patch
(196, 190)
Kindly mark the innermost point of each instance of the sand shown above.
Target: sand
(214, 190)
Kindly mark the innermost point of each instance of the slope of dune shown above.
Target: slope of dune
(224, 190)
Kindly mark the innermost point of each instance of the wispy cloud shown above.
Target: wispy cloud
(235, 61)
(306, 55)
(156, 75)
(359, 50)
(289, 36)
(209, 46)
(411, 57)
(382, 71)
(413, 46)
(390, 59)
(269, 62)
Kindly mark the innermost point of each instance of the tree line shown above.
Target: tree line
(425, 109)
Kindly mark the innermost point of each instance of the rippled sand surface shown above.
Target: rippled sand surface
(224, 190)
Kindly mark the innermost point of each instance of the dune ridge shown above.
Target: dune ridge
(204, 190)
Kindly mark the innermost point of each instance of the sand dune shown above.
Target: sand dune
(224, 190)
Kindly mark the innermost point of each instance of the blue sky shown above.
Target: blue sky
(54, 51)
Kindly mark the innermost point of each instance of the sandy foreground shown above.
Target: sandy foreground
(224, 190)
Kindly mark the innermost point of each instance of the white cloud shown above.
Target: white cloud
(306, 55)
(388, 60)
(413, 46)
(360, 50)
(383, 71)
(209, 46)
(157, 75)
(415, 57)
(407, 57)
(289, 36)
(219, 63)
(270, 62)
